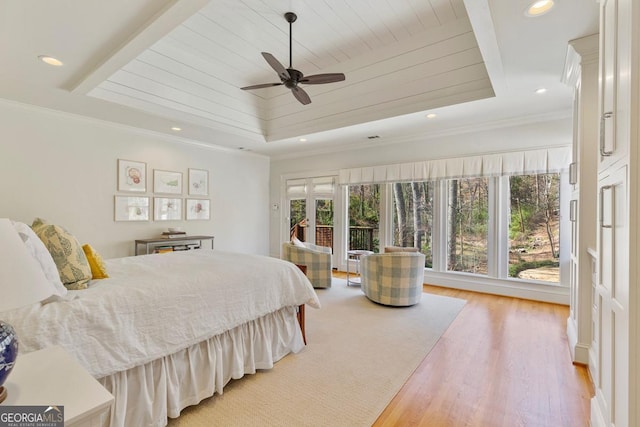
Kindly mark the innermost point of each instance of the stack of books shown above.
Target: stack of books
(173, 234)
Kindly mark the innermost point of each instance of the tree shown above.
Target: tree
(401, 212)
(417, 220)
(453, 222)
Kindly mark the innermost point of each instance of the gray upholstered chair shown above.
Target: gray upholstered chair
(316, 258)
(394, 278)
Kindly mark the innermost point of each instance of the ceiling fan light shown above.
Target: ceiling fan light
(539, 7)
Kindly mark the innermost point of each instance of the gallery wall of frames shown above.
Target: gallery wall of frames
(160, 195)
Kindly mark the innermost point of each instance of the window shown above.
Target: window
(495, 215)
(364, 217)
(413, 216)
(467, 224)
(534, 227)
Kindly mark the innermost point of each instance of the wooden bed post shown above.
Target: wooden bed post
(303, 268)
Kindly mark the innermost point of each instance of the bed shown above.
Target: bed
(165, 331)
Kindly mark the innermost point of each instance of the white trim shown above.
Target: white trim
(508, 163)
(537, 291)
(579, 352)
(597, 417)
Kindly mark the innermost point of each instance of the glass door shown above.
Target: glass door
(311, 210)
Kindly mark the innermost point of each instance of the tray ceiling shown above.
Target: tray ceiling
(156, 64)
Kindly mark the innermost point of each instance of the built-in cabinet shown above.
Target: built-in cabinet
(617, 300)
(581, 73)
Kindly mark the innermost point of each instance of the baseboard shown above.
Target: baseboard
(555, 294)
(597, 418)
(593, 365)
(579, 352)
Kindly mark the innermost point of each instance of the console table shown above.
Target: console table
(171, 242)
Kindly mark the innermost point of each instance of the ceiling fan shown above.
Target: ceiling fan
(290, 77)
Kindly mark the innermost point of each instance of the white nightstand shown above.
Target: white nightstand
(53, 377)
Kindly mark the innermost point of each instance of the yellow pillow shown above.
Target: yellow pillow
(72, 264)
(98, 268)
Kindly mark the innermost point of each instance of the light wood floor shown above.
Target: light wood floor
(502, 362)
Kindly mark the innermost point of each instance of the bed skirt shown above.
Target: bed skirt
(146, 395)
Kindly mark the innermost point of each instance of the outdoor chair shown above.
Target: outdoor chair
(394, 278)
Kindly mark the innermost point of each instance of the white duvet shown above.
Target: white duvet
(154, 305)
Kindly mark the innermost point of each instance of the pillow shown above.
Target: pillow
(72, 264)
(296, 242)
(42, 256)
(98, 268)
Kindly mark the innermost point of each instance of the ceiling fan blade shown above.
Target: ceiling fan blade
(301, 95)
(276, 65)
(260, 86)
(317, 79)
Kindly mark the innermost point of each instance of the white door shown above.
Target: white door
(310, 208)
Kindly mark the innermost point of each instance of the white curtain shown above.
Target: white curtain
(512, 163)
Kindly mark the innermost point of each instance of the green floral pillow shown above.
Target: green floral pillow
(67, 253)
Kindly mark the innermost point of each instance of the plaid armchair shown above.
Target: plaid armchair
(394, 278)
(316, 258)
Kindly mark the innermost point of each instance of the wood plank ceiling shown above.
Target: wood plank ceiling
(399, 57)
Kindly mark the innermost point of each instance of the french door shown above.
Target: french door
(310, 210)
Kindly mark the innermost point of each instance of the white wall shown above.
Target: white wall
(509, 138)
(63, 168)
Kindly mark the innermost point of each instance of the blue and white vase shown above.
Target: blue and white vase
(8, 350)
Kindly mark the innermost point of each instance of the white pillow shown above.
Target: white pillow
(39, 252)
(296, 242)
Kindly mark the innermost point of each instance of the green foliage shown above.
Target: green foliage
(324, 212)
(521, 222)
(297, 211)
(364, 205)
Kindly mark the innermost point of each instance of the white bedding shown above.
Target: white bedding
(155, 305)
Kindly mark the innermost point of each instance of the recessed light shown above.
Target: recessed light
(303, 140)
(539, 7)
(431, 116)
(50, 60)
(541, 90)
(176, 128)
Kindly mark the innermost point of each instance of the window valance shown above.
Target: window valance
(510, 163)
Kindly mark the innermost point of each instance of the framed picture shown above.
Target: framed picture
(198, 182)
(132, 176)
(166, 209)
(167, 182)
(131, 208)
(198, 209)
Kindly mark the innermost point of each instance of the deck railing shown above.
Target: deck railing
(359, 237)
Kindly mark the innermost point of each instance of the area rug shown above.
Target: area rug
(359, 354)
